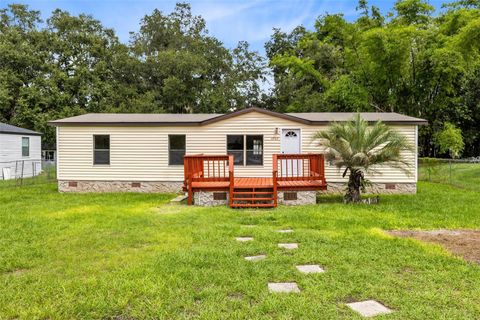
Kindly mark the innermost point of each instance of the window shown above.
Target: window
(176, 149)
(255, 150)
(101, 149)
(235, 148)
(48, 155)
(25, 147)
(246, 150)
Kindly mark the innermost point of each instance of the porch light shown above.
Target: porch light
(276, 131)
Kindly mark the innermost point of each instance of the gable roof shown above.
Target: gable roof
(199, 119)
(9, 129)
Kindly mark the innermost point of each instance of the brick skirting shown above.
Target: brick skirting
(120, 186)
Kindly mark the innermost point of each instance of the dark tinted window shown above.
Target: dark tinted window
(25, 147)
(176, 149)
(235, 148)
(255, 150)
(101, 149)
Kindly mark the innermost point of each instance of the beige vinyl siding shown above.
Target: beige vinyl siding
(141, 153)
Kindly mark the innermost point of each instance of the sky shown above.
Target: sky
(228, 20)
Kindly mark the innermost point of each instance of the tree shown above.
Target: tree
(70, 65)
(189, 71)
(409, 61)
(358, 148)
(450, 140)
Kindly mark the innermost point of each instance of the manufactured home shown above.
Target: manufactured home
(20, 152)
(251, 157)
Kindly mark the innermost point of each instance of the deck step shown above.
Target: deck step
(252, 192)
(259, 196)
(252, 199)
(252, 205)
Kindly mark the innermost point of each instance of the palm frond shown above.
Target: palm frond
(355, 144)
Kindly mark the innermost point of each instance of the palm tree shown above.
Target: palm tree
(358, 147)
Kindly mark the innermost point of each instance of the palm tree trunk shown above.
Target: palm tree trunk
(354, 185)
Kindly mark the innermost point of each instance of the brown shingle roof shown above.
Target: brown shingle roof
(169, 119)
(323, 117)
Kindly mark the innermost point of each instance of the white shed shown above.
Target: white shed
(20, 152)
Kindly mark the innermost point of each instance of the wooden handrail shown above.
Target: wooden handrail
(206, 168)
(291, 167)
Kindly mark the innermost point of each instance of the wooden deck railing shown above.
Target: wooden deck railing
(291, 167)
(206, 168)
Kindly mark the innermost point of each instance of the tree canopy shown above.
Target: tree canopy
(408, 61)
(70, 65)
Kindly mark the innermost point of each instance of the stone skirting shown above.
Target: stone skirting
(297, 198)
(120, 186)
(206, 198)
(375, 188)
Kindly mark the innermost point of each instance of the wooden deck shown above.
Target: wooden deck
(259, 183)
(290, 173)
(253, 182)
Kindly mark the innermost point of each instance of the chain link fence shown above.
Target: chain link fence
(462, 173)
(26, 172)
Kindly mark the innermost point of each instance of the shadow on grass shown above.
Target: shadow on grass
(330, 199)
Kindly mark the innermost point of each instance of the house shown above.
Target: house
(20, 152)
(49, 154)
(252, 153)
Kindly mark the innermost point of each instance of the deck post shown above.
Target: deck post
(275, 176)
(232, 179)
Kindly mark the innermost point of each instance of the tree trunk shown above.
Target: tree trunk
(354, 185)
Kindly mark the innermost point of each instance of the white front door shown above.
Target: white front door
(290, 145)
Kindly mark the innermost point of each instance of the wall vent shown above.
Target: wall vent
(289, 196)
(219, 196)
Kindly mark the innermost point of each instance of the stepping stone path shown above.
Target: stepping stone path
(288, 246)
(369, 308)
(310, 268)
(256, 258)
(286, 287)
(244, 239)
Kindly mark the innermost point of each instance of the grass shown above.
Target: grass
(48, 175)
(462, 175)
(128, 256)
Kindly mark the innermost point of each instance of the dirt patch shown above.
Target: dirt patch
(465, 243)
(17, 272)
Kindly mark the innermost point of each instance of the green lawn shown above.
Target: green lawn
(462, 175)
(129, 256)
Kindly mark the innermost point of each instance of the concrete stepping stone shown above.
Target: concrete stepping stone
(256, 258)
(244, 239)
(179, 198)
(288, 246)
(285, 231)
(310, 268)
(369, 308)
(285, 287)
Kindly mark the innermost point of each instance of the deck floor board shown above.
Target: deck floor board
(258, 183)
